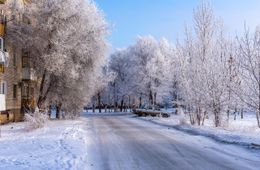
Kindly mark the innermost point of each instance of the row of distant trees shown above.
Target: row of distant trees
(208, 72)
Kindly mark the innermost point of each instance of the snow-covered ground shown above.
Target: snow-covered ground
(60, 145)
(240, 131)
(117, 141)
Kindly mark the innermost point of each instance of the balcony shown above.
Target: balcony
(4, 58)
(28, 74)
(2, 102)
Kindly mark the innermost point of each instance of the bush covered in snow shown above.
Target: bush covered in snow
(35, 120)
(182, 119)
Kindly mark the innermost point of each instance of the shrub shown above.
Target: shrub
(35, 120)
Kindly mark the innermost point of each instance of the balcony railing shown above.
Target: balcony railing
(28, 74)
(2, 102)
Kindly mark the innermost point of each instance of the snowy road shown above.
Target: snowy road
(124, 142)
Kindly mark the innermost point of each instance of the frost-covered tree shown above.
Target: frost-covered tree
(196, 52)
(145, 49)
(142, 70)
(249, 62)
(123, 86)
(103, 81)
(205, 72)
(160, 73)
(151, 68)
(66, 43)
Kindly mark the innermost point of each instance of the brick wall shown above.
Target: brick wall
(13, 77)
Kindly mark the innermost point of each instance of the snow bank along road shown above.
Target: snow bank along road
(124, 142)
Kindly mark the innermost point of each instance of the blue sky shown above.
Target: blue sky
(167, 18)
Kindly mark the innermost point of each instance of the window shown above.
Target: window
(2, 18)
(1, 44)
(25, 59)
(14, 91)
(14, 57)
(26, 20)
(3, 87)
(25, 91)
(2, 68)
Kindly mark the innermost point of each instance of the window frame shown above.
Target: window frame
(3, 87)
(15, 91)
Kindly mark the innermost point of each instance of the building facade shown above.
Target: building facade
(16, 76)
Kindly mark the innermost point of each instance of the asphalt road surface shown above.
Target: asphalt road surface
(123, 142)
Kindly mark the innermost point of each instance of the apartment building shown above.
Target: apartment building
(16, 76)
(4, 60)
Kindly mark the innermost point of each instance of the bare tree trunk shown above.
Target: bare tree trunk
(110, 108)
(228, 114)
(198, 115)
(99, 101)
(39, 102)
(154, 100)
(151, 98)
(229, 88)
(93, 108)
(125, 107)
(115, 106)
(129, 103)
(257, 118)
(242, 113)
(43, 95)
(216, 111)
(121, 105)
(216, 121)
(140, 101)
(204, 117)
(114, 96)
(192, 121)
(58, 110)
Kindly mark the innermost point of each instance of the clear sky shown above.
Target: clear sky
(167, 18)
